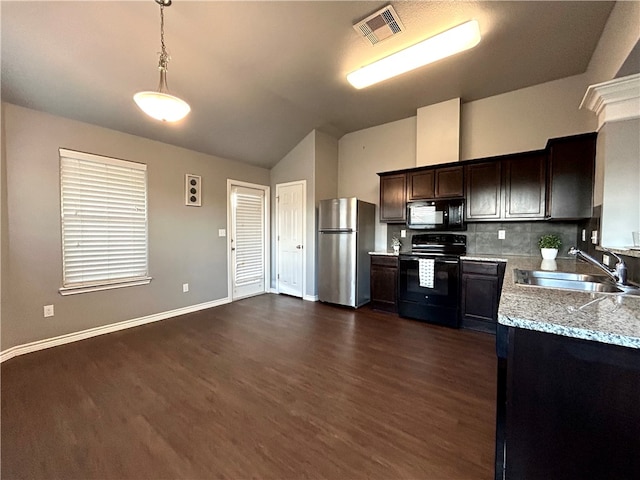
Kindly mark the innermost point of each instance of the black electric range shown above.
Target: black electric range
(429, 278)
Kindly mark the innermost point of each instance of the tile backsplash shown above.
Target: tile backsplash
(521, 238)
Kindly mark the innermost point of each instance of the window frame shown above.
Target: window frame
(70, 287)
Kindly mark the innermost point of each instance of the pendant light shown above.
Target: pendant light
(161, 105)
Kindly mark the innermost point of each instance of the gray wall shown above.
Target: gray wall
(4, 239)
(298, 164)
(184, 246)
(326, 167)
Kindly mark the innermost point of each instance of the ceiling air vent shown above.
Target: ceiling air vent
(380, 25)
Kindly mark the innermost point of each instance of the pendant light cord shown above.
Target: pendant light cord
(164, 56)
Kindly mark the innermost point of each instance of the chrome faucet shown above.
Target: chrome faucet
(619, 274)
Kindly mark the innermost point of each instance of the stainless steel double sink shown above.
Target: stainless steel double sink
(572, 281)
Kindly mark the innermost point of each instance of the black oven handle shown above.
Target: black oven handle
(436, 259)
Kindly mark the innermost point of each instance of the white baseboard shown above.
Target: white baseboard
(104, 329)
(310, 298)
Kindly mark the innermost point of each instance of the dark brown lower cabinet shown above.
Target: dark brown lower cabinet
(567, 408)
(481, 287)
(384, 282)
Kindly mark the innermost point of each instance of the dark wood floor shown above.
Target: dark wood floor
(267, 387)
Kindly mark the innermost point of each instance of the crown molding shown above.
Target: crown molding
(617, 99)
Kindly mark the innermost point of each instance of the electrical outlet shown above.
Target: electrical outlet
(48, 310)
(584, 235)
(403, 234)
(502, 234)
(605, 260)
(222, 232)
(594, 237)
(185, 287)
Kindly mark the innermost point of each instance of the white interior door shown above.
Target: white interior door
(248, 240)
(290, 218)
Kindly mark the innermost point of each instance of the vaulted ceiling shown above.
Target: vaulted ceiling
(259, 76)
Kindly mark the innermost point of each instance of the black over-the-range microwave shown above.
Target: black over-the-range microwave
(443, 215)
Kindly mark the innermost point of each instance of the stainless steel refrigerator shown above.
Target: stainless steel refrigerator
(346, 233)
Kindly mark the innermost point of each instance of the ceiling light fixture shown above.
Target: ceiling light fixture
(161, 105)
(447, 43)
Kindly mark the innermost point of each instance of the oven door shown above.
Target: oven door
(428, 288)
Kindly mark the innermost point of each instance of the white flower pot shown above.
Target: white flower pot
(549, 253)
(396, 249)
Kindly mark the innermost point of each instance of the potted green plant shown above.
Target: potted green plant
(395, 243)
(549, 245)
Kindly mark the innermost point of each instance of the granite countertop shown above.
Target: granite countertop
(602, 317)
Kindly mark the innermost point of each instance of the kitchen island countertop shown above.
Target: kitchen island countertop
(603, 317)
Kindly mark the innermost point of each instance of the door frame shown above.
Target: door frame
(304, 235)
(267, 233)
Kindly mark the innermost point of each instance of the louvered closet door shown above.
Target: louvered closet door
(247, 241)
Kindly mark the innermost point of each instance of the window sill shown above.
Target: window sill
(97, 288)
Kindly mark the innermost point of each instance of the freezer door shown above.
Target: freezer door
(337, 256)
(338, 214)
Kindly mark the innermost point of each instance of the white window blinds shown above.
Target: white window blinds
(104, 222)
(249, 237)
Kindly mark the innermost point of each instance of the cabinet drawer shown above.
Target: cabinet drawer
(384, 260)
(481, 268)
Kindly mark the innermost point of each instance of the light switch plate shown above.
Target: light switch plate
(222, 232)
(403, 234)
(48, 310)
(605, 259)
(584, 235)
(185, 287)
(502, 234)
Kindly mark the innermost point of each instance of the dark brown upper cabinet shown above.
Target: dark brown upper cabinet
(433, 183)
(525, 186)
(571, 175)
(393, 198)
(483, 197)
(449, 182)
(421, 184)
(507, 188)
(555, 183)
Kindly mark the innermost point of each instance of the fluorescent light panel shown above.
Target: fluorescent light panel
(445, 44)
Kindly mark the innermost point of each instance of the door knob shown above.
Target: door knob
(298, 247)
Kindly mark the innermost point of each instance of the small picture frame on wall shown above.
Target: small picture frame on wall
(192, 190)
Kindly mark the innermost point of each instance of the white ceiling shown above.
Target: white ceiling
(259, 76)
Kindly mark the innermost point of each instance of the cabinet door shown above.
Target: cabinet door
(483, 190)
(525, 186)
(421, 185)
(571, 408)
(479, 298)
(384, 283)
(449, 182)
(481, 286)
(571, 176)
(393, 198)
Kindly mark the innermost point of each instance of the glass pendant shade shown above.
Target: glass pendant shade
(162, 106)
